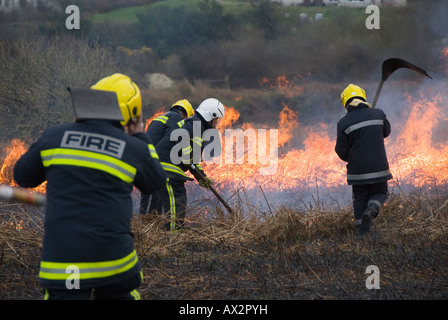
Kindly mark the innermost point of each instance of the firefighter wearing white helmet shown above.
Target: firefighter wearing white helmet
(157, 129)
(211, 109)
(174, 196)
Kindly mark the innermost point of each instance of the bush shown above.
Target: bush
(35, 77)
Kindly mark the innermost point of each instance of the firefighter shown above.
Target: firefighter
(174, 195)
(360, 142)
(156, 131)
(91, 166)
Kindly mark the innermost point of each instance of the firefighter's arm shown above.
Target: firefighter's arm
(386, 127)
(150, 176)
(200, 176)
(29, 170)
(341, 147)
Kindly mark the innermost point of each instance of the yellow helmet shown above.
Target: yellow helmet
(350, 92)
(186, 105)
(128, 94)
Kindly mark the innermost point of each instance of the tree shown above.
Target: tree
(169, 29)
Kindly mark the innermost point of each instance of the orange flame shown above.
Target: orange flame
(415, 159)
(12, 153)
(159, 112)
(283, 85)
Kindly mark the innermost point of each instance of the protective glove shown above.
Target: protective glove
(205, 182)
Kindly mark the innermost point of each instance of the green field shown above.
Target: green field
(129, 15)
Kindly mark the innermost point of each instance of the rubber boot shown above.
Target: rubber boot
(368, 216)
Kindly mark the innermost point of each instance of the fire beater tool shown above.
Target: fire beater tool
(213, 190)
(15, 194)
(389, 66)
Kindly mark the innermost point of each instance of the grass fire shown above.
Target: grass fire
(290, 235)
(280, 223)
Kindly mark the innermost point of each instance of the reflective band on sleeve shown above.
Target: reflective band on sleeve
(198, 141)
(87, 270)
(364, 124)
(153, 151)
(181, 123)
(187, 150)
(367, 176)
(88, 159)
(172, 168)
(162, 119)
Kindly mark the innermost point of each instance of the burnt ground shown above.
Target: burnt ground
(287, 255)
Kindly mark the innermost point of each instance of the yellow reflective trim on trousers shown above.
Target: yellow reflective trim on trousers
(153, 151)
(88, 159)
(135, 294)
(87, 270)
(172, 168)
(169, 188)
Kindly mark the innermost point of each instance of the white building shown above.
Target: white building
(9, 5)
(345, 3)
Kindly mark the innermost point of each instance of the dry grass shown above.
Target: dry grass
(284, 255)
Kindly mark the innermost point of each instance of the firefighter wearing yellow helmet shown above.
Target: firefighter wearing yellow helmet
(128, 94)
(91, 167)
(353, 95)
(157, 129)
(360, 143)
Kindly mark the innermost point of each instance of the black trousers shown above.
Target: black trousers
(124, 290)
(151, 202)
(368, 194)
(174, 200)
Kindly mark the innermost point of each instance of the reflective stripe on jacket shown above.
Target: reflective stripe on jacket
(165, 146)
(360, 142)
(91, 168)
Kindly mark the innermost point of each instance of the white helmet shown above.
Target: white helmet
(210, 109)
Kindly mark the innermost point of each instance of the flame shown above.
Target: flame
(287, 123)
(159, 112)
(231, 115)
(308, 161)
(12, 153)
(283, 85)
(296, 167)
(416, 160)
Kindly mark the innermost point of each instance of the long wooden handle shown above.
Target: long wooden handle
(15, 194)
(213, 190)
(380, 86)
